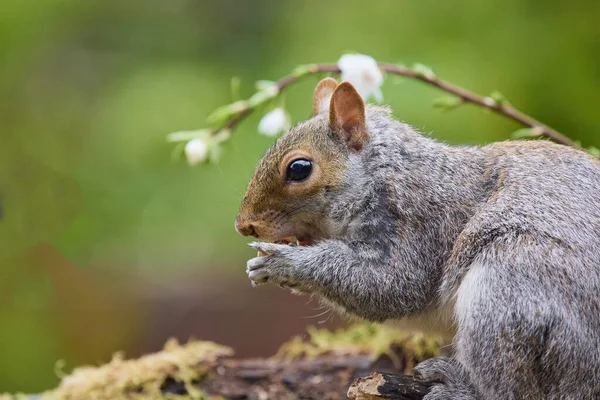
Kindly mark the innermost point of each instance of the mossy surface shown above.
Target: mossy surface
(145, 377)
(180, 371)
(374, 340)
(19, 396)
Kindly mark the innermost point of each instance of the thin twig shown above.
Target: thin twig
(466, 96)
(469, 97)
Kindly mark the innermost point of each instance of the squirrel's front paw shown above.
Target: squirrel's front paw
(451, 381)
(277, 266)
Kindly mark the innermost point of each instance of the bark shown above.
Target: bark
(381, 385)
(324, 366)
(321, 378)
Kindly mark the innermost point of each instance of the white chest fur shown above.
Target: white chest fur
(438, 321)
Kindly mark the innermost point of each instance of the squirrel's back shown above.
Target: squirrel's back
(550, 189)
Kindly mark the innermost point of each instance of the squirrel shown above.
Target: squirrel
(501, 243)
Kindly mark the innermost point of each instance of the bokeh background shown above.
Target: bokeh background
(106, 244)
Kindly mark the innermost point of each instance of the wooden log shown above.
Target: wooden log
(326, 377)
(320, 367)
(381, 385)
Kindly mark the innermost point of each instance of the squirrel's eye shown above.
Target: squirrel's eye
(299, 170)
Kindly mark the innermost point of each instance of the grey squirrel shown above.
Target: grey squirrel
(500, 242)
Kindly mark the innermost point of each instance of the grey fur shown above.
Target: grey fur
(508, 234)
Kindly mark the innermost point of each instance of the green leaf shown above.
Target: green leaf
(263, 96)
(220, 116)
(447, 103)
(263, 84)
(302, 70)
(594, 151)
(424, 71)
(527, 133)
(224, 113)
(498, 98)
(185, 136)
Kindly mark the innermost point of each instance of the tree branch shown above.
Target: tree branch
(499, 107)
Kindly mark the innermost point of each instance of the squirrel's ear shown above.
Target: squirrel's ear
(322, 96)
(347, 115)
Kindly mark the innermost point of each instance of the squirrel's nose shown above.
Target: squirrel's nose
(245, 229)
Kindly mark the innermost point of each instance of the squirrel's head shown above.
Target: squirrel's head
(303, 172)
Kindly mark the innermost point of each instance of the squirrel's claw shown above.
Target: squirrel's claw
(274, 263)
(256, 273)
(450, 379)
(257, 270)
(268, 248)
(254, 264)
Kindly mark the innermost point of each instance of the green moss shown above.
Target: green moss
(142, 378)
(190, 363)
(362, 339)
(18, 396)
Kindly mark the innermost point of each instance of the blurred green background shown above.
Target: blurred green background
(106, 244)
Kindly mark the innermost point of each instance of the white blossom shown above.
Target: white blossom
(274, 122)
(363, 73)
(196, 151)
